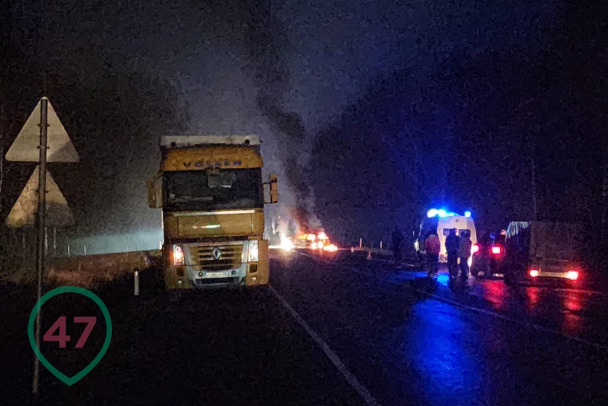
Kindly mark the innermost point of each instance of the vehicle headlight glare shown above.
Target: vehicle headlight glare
(253, 251)
(178, 255)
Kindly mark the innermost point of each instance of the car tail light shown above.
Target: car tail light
(534, 273)
(178, 255)
(475, 248)
(496, 250)
(573, 274)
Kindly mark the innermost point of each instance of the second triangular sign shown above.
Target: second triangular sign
(25, 210)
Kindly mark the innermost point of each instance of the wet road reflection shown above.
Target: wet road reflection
(410, 341)
(573, 312)
(533, 295)
(438, 353)
(496, 293)
(573, 304)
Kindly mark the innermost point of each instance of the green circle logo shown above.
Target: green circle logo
(30, 332)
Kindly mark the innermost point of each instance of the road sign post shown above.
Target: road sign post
(41, 227)
(42, 139)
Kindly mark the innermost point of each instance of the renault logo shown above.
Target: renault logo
(216, 253)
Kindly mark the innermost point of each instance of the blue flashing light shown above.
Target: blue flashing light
(443, 213)
(443, 279)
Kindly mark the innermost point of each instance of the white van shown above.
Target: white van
(443, 226)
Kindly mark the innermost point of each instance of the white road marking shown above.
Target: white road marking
(350, 378)
(478, 310)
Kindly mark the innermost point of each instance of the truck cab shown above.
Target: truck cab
(212, 197)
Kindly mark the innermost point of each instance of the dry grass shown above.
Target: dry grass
(18, 270)
(91, 270)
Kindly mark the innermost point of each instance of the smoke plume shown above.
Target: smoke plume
(267, 44)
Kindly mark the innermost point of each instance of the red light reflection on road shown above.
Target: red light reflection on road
(573, 302)
(495, 292)
(572, 323)
(533, 297)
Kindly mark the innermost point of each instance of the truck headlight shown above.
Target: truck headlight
(178, 255)
(253, 251)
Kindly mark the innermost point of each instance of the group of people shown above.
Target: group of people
(456, 247)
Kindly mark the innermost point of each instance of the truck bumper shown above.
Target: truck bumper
(193, 276)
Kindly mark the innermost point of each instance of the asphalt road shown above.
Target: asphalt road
(331, 329)
(409, 342)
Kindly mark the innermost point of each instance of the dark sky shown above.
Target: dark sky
(370, 111)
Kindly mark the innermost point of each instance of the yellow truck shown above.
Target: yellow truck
(212, 196)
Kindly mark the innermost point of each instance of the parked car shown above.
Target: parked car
(488, 255)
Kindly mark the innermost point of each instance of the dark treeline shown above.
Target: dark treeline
(512, 133)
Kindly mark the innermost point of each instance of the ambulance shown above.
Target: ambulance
(442, 221)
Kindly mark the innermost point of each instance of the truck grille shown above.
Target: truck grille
(230, 256)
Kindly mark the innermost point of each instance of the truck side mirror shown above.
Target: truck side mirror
(273, 188)
(155, 199)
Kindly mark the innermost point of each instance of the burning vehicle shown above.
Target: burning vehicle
(314, 241)
(295, 230)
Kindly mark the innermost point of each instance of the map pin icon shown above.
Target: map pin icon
(30, 332)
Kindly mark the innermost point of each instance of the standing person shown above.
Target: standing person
(432, 246)
(464, 252)
(397, 243)
(452, 246)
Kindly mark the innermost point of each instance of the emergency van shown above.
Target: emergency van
(443, 222)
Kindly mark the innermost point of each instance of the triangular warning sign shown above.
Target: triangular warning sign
(25, 210)
(25, 147)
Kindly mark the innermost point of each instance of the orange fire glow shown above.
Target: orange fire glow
(316, 241)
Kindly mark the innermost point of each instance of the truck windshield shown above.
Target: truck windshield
(213, 189)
